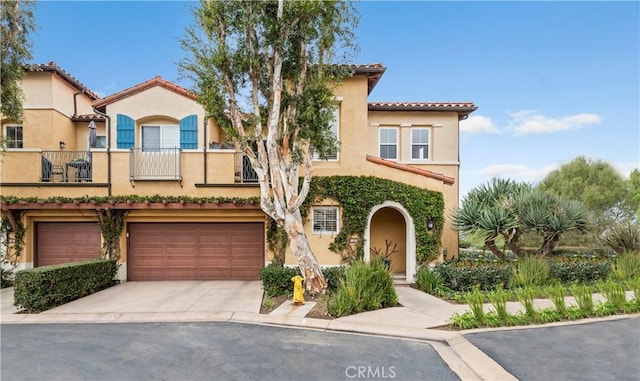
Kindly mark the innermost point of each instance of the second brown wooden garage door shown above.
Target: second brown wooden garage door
(195, 251)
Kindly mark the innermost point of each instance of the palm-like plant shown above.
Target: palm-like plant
(490, 211)
(506, 208)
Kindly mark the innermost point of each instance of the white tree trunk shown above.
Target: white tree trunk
(309, 267)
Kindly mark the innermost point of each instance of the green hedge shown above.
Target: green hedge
(45, 287)
(464, 275)
(579, 269)
(276, 280)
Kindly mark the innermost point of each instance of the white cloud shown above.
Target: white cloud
(478, 124)
(517, 172)
(532, 122)
(625, 168)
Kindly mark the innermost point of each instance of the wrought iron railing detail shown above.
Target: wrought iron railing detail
(244, 170)
(154, 164)
(66, 166)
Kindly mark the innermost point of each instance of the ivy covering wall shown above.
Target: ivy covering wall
(358, 195)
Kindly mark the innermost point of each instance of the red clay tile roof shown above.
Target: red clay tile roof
(156, 81)
(88, 118)
(373, 72)
(73, 81)
(404, 167)
(462, 108)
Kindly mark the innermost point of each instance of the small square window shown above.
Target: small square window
(325, 220)
(13, 136)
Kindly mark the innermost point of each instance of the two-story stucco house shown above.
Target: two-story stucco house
(73, 148)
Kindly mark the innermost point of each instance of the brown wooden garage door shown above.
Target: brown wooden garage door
(61, 242)
(195, 251)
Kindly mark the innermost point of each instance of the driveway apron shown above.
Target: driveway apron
(170, 296)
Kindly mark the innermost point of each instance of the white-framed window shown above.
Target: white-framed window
(389, 143)
(335, 130)
(420, 143)
(160, 136)
(13, 136)
(101, 141)
(325, 219)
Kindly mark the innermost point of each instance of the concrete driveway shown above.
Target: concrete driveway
(169, 296)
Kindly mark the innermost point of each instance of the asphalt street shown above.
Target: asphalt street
(208, 351)
(598, 351)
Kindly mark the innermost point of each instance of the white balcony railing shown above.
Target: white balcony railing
(154, 164)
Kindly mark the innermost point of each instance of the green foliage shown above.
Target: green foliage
(557, 294)
(17, 23)
(463, 276)
(276, 280)
(621, 236)
(475, 300)
(357, 196)
(277, 242)
(366, 287)
(530, 271)
(634, 285)
(596, 184)
(45, 287)
(499, 298)
(615, 294)
(6, 277)
(583, 270)
(633, 191)
(525, 296)
(111, 226)
(503, 210)
(626, 266)
(584, 298)
(430, 281)
(334, 275)
(466, 320)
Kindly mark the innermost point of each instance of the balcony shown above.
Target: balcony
(154, 164)
(244, 172)
(66, 166)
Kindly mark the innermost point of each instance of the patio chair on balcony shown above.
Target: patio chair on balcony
(50, 171)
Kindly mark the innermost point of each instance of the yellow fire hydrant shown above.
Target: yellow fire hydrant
(298, 294)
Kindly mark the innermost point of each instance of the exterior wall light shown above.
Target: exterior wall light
(63, 145)
(430, 224)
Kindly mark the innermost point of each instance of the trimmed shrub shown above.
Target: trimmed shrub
(276, 280)
(45, 287)
(333, 276)
(464, 275)
(366, 287)
(579, 269)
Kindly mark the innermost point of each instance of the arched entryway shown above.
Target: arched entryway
(392, 223)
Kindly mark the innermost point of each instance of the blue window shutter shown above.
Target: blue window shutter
(189, 132)
(125, 131)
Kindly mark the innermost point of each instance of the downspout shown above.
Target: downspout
(75, 103)
(108, 149)
(204, 148)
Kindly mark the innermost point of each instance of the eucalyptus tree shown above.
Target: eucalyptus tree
(266, 72)
(17, 22)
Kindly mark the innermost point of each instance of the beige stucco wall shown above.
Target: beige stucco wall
(358, 134)
(156, 103)
(46, 90)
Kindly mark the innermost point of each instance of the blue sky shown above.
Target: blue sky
(552, 80)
